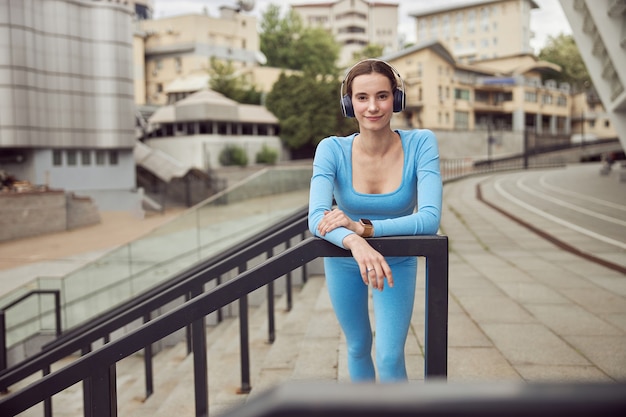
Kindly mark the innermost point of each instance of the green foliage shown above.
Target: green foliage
(286, 43)
(562, 50)
(308, 109)
(370, 51)
(266, 155)
(233, 155)
(224, 81)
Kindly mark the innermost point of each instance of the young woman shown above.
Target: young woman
(378, 178)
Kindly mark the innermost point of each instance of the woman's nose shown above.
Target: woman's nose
(373, 106)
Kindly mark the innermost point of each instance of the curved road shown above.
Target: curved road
(575, 206)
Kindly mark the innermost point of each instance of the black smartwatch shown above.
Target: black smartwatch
(369, 228)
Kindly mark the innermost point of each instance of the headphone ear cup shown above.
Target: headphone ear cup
(398, 100)
(346, 106)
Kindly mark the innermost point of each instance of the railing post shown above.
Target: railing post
(147, 363)
(87, 388)
(57, 311)
(244, 341)
(271, 322)
(436, 326)
(200, 368)
(288, 284)
(103, 395)
(47, 403)
(3, 345)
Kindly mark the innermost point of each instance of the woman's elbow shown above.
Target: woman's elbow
(431, 225)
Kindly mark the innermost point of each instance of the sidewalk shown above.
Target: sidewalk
(522, 307)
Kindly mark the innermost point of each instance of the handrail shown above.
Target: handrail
(517, 398)
(98, 368)
(57, 314)
(180, 286)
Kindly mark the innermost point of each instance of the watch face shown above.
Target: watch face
(366, 221)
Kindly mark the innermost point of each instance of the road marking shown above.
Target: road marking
(555, 219)
(560, 190)
(570, 206)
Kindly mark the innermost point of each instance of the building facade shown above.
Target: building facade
(66, 97)
(179, 49)
(196, 129)
(599, 29)
(354, 24)
(478, 30)
(504, 94)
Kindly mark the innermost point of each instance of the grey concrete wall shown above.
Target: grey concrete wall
(28, 214)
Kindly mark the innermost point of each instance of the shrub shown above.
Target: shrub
(266, 155)
(233, 155)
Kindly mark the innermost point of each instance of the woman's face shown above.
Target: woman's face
(372, 100)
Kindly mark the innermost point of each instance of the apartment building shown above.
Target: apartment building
(478, 30)
(505, 93)
(66, 97)
(599, 29)
(173, 53)
(354, 24)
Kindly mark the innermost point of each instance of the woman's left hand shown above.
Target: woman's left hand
(336, 218)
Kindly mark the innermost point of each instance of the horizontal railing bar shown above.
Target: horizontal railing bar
(203, 305)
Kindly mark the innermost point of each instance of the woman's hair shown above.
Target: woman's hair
(369, 66)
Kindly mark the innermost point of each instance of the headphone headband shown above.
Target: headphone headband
(399, 98)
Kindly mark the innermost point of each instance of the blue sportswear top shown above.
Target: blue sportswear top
(392, 214)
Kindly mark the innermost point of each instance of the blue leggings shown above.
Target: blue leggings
(393, 308)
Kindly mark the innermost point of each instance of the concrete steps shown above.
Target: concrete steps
(309, 345)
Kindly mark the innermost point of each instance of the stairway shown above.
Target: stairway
(308, 346)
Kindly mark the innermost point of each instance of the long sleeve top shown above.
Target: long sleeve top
(392, 214)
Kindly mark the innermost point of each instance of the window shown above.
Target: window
(71, 157)
(481, 96)
(100, 157)
(530, 96)
(422, 24)
(113, 157)
(546, 99)
(561, 101)
(178, 62)
(459, 24)
(484, 18)
(461, 120)
(57, 158)
(461, 94)
(85, 157)
(471, 21)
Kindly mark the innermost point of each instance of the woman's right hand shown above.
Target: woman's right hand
(336, 218)
(373, 266)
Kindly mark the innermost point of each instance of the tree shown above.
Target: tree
(562, 50)
(286, 43)
(308, 110)
(370, 51)
(278, 35)
(224, 81)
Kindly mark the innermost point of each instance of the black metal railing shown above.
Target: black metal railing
(97, 369)
(141, 307)
(503, 398)
(17, 301)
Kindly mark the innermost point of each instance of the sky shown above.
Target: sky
(548, 20)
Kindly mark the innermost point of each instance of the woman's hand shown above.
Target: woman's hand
(373, 266)
(336, 218)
